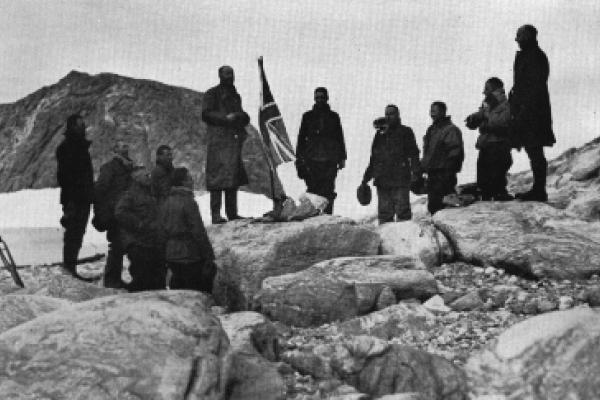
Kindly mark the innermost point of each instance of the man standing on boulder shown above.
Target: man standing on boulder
(113, 180)
(222, 111)
(530, 108)
(75, 176)
(443, 155)
(321, 150)
(394, 164)
(494, 161)
(161, 174)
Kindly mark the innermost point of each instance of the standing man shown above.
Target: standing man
(188, 252)
(114, 179)
(161, 174)
(222, 111)
(75, 176)
(530, 108)
(443, 155)
(494, 161)
(321, 150)
(142, 235)
(394, 164)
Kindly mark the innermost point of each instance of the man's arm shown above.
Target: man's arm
(454, 147)
(412, 152)
(368, 175)
(210, 110)
(339, 133)
(124, 215)
(102, 185)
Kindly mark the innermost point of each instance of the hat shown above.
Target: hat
(363, 194)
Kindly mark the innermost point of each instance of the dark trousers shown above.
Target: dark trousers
(216, 197)
(439, 184)
(539, 168)
(192, 276)
(147, 268)
(320, 180)
(393, 202)
(114, 259)
(74, 220)
(493, 164)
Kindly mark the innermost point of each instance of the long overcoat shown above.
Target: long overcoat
(224, 167)
(530, 100)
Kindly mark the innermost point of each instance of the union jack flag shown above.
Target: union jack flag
(272, 129)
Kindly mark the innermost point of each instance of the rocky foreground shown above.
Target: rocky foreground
(492, 301)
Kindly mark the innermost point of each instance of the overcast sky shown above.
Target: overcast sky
(368, 53)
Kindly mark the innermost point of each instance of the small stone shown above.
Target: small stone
(478, 270)
(218, 310)
(490, 270)
(593, 297)
(501, 272)
(469, 302)
(513, 279)
(530, 307)
(386, 298)
(565, 302)
(436, 305)
(545, 305)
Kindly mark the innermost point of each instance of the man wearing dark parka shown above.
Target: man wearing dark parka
(394, 164)
(530, 109)
(222, 111)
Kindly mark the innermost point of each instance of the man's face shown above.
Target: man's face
(392, 116)
(487, 89)
(320, 98)
(165, 157)
(436, 113)
(122, 149)
(523, 36)
(226, 76)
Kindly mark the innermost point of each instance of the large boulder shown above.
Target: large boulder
(341, 288)
(553, 356)
(155, 345)
(420, 240)
(531, 239)
(247, 252)
(146, 113)
(20, 308)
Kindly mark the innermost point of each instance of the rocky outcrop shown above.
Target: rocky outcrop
(146, 113)
(378, 368)
(341, 288)
(19, 308)
(159, 345)
(573, 181)
(530, 239)
(247, 252)
(552, 356)
(421, 240)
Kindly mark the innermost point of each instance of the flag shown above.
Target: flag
(274, 135)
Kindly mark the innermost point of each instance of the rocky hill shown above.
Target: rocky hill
(146, 113)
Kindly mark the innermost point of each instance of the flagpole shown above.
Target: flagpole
(265, 150)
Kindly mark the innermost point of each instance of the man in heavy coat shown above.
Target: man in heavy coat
(530, 109)
(141, 234)
(493, 143)
(394, 164)
(75, 176)
(321, 150)
(188, 252)
(222, 111)
(161, 173)
(443, 155)
(113, 180)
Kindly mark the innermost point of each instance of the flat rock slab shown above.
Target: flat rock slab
(247, 253)
(153, 345)
(19, 308)
(553, 356)
(526, 238)
(341, 288)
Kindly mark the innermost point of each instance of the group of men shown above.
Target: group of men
(523, 120)
(151, 217)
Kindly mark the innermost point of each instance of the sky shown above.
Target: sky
(367, 53)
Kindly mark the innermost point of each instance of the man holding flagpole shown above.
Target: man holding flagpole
(276, 143)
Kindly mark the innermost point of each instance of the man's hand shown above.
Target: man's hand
(341, 164)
